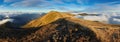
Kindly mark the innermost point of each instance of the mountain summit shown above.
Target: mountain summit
(48, 18)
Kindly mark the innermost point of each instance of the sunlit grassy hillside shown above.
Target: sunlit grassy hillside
(48, 18)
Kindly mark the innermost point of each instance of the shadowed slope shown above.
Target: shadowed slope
(60, 30)
(65, 30)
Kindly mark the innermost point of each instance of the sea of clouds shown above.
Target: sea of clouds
(23, 18)
(111, 18)
(18, 18)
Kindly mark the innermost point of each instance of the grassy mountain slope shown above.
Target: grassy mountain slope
(59, 27)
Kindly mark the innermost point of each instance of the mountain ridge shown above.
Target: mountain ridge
(48, 18)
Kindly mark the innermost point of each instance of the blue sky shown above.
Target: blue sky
(60, 5)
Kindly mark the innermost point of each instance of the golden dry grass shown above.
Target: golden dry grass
(48, 18)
